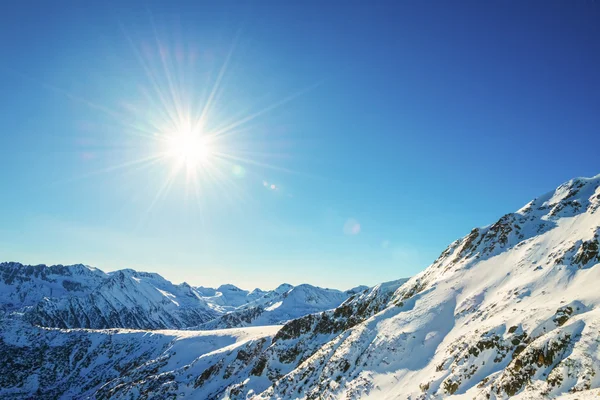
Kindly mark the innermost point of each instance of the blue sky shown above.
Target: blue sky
(388, 130)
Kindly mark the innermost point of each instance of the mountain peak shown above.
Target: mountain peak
(229, 287)
(284, 287)
(572, 197)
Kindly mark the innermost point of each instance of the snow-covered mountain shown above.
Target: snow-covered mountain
(26, 285)
(78, 296)
(230, 297)
(283, 304)
(512, 310)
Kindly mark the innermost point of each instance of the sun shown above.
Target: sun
(178, 127)
(188, 148)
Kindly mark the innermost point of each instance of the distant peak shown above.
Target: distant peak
(229, 287)
(284, 287)
(357, 289)
(57, 269)
(125, 271)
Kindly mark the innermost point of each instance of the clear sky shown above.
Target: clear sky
(345, 143)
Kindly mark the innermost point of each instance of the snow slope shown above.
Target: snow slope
(122, 364)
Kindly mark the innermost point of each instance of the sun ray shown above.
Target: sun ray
(176, 125)
(144, 162)
(115, 116)
(164, 59)
(264, 110)
(150, 76)
(161, 191)
(265, 165)
(200, 122)
(79, 99)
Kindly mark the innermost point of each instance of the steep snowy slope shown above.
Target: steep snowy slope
(280, 306)
(511, 309)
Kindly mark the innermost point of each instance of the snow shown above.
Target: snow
(168, 295)
(273, 306)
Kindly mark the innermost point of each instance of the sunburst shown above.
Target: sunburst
(172, 119)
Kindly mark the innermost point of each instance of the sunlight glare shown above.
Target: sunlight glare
(178, 124)
(188, 148)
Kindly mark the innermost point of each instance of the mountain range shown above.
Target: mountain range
(511, 310)
(78, 296)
